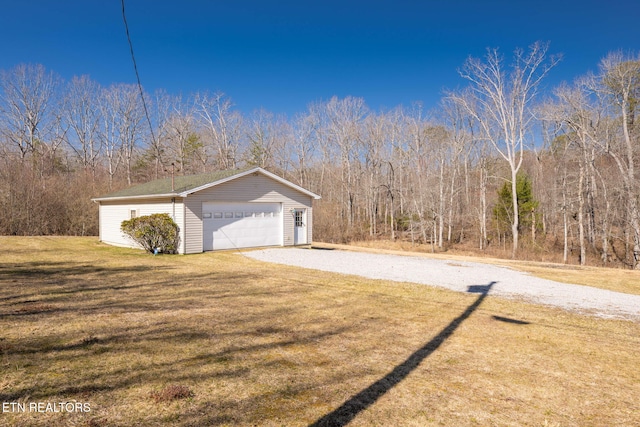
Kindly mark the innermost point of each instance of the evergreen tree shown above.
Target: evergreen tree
(527, 205)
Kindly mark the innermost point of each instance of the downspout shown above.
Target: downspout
(184, 227)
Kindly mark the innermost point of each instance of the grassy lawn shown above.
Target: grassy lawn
(251, 343)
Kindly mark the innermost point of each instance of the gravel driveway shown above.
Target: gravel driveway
(459, 276)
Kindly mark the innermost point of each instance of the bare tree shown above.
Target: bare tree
(81, 113)
(122, 128)
(299, 151)
(179, 142)
(457, 147)
(416, 172)
(108, 135)
(501, 104)
(582, 121)
(155, 158)
(27, 95)
(620, 82)
(221, 128)
(378, 131)
(267, 134)
(344, 127)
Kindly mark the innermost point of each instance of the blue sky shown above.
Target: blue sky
(283, 55)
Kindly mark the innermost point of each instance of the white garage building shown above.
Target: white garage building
(221, 210)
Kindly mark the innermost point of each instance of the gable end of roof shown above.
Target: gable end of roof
(183, 186)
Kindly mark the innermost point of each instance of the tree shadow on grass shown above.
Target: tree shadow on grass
(44, 279)
(367, 397)
(174, 370)
(50, 288)
(38, 270)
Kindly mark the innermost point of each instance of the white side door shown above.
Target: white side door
(300, 227)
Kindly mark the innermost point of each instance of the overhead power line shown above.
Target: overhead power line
(135, 67)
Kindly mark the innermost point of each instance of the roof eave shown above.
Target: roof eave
(145, 196)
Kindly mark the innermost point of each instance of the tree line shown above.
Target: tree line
(498, 166)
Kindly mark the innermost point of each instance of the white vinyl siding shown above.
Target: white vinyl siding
(255, 187)
(113, 213)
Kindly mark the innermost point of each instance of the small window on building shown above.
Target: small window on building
(248, 214)
(133, 213)
(238, 214)
(298, 218)
(217, 214)
(207, 215)
(228, 214)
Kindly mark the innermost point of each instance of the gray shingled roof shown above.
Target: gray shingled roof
(181, 184)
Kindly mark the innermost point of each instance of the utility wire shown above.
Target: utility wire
(135, 67)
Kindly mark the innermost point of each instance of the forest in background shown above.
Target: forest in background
(498, 167)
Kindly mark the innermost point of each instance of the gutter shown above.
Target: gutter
(147, 196)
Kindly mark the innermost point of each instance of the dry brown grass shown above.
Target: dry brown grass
(260, 344)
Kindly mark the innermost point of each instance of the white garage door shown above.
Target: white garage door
(241, 225)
